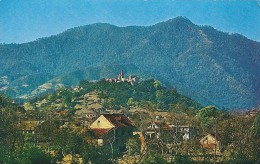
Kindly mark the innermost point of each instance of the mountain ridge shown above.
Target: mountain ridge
(198, 61)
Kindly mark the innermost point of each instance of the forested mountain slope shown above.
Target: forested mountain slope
(210, 66)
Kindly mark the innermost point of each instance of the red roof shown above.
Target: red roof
(163, 126)
(99, 133)
(119, 120)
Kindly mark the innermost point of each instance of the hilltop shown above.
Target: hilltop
(104, 95)
(201, 62)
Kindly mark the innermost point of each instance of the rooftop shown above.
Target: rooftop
(99, 133)
(119, 120)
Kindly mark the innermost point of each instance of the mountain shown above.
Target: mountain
(208, 65)
(74, 78)
(24, 21)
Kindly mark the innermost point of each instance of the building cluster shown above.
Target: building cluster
(111, 129)
(121, 78)
(114, 130)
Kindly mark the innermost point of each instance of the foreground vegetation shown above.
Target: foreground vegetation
(59, 135)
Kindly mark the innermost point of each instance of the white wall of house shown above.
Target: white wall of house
(100, 142)
(102, 122)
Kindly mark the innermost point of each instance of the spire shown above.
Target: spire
(120, 75)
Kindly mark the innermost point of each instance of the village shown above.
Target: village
(130, 135)
(112, 130)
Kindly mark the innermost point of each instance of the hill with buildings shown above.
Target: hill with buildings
(118, 120)
(201, 62)
(114, 94)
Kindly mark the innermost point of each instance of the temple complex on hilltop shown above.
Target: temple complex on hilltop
(121, 78)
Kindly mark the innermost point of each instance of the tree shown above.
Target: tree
(157, 84)
(4, 155)
(153, 159)
(68, 142)
(46, 130)
(180, 159)
(256, 127)
(9, 129)
(238, 141)
(29, 155)
(207, 117)
(96, 155)
(256, 138)
(133, 145)
(36, 156)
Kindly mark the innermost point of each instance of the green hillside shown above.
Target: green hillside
(143, 94)
(210, 66)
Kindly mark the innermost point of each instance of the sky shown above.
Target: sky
(27, 20)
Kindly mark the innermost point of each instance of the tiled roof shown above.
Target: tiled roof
(99, 133)
(163, 126)
(119, 120)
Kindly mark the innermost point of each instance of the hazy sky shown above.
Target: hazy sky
(26, 20)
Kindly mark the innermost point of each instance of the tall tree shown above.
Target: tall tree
(256, 127)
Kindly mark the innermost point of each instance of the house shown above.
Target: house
(112, 131)
(183, 131)
(157, 129)
(162, 132)
(211, 143)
